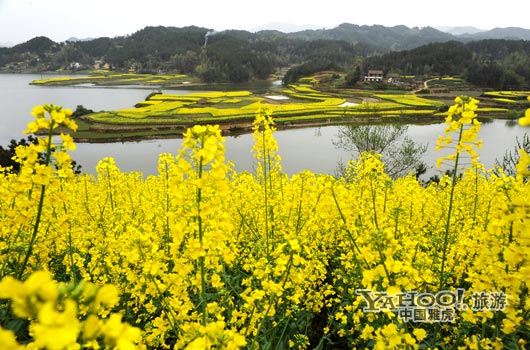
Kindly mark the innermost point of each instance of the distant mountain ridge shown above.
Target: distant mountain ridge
(284, 27)
(73, 38)
(461, 30)
(378, 37)
(510, 33)
(239, 55)
(404, 38)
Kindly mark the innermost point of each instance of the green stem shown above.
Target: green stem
(449, 213)
(273, 298)
(350, 236)
(383, 260)
(171, 316)
(265, 166)
(475, 203)
(166, 228)
(278, 343)
(39, 208)
(372, 190)
(110, 189)
(70, 243)
(71, 256)
(201, 236)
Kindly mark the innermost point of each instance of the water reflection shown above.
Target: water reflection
(511, 123)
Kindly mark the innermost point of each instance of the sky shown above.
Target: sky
(59, 20)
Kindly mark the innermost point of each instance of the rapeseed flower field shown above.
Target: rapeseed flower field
(202, 257)
(301, 102)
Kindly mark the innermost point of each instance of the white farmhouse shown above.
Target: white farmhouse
(374, 76)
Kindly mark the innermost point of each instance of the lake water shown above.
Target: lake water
(300, 149)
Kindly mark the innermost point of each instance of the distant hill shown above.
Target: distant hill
(384, 39)
(38, 45)
(6, 44)
(73, 38)
(284, 27)
(460, 30)
(239, 55)
(511, 33)
(378, 37)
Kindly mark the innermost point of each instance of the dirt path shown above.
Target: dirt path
(425, 85)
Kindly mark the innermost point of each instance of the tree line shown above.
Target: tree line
(494, 63)
(240, 56)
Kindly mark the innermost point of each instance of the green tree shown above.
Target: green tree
(400, 154)
(353, 77)
(186, 62)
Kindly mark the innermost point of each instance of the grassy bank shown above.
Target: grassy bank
(110, 78)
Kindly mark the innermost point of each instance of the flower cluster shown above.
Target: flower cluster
(38, 161)
(64, 316)
(461, 122)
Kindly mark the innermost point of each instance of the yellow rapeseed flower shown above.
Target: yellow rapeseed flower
(8, 340)
(525, 121)
(462, 120)
(56, 330)
(68, 142)
(33, 127)
(419, 333)
(107, 295)
(38, 112)
(522, 167)
(58, 116)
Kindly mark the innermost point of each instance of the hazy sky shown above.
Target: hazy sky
(21, 20)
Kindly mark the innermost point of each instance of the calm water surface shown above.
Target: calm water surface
(300, 149)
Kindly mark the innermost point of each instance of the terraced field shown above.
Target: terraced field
(234, 111)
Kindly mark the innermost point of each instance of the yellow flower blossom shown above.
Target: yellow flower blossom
(522, 166)
(68, 142)
(56, 330)
(58, 116)
(33, 127)
(8, 340)
(525, 121)
(419, 333)
(38, 112)
(107, 295)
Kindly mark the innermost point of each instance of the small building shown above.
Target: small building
(394, 80)
(100, 65)
(374, 76)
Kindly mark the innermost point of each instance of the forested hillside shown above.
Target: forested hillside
(495, 63)
(239, 56)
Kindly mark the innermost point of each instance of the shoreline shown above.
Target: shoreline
(243, 128)
(236, 129)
